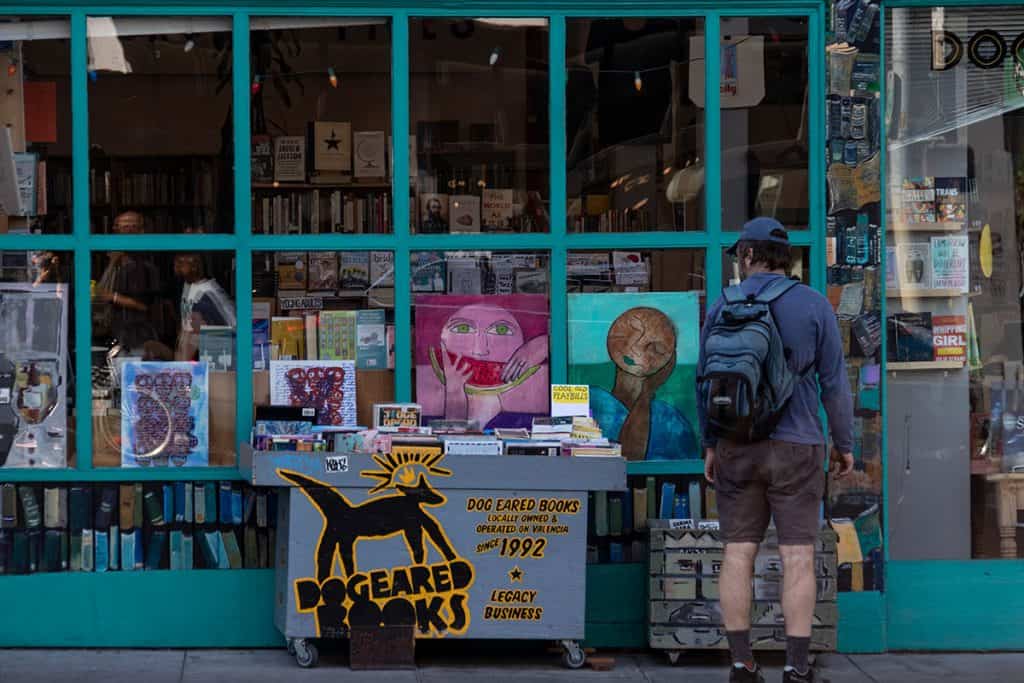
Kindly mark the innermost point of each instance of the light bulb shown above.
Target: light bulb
(332, 77)
(12, 68)
(190, 43)
(495, 55)
(638, 82)
(256, 84)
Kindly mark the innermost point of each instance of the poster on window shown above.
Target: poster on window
(327, 386)
(165, 414)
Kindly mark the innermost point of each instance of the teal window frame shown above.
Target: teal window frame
(557, 243)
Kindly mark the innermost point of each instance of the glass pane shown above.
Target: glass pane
(635, 124)
(163, 359)
(478, 125)
(326, 315)
(160, 125)
(481, 327)
(321, 125)
(37, 423)
(634, 326)
(956, 212)
(36, 147)
(763, 94)
(801, 266)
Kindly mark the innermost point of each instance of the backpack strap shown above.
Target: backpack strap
(776, 289)
(733, 294)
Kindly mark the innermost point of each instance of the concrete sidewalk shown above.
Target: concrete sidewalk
(474, 663)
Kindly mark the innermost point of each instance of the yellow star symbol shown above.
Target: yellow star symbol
(516, 575)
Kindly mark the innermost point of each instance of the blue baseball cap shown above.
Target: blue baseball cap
(761, 229)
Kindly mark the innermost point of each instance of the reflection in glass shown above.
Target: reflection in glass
(478, 110)
(763, 96)
(36, 140)
(164, 359)
(635, 124)
(321, 125)
(160, 124)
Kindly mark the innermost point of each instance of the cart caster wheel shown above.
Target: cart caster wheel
(291, 647)
(573, 656)
(306, 653)
(673, 657)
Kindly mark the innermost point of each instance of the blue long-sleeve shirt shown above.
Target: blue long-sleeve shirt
(809, 329)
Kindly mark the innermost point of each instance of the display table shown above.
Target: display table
(472, 546)
(1009, 499)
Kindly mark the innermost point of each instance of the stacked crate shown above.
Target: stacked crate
(684, 609)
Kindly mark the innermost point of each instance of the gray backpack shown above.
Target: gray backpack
(744, 380)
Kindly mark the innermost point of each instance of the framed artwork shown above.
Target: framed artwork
(482, 358)
(165, 414)
(638, 352)
(328, 386)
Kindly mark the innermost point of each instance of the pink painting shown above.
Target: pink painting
(482, 358)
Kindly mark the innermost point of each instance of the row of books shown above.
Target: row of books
(314, 211)
(943, 262)
(135, 526)
(934, 200)
(182, 186)
(325, 153)
(331, 271)
(362, 336)
(852, 242)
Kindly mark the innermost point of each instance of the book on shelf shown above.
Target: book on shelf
(262, 159)
(428, 271)
(369, 150)
(217, 347)
(464, 213)
(355, 271)
(532, 447)
(389, 340)
(311, 336)
(464, 276)
(497, 210)
(287, 336)
(261, 352)
(433, 212)
(337, 335)
(910, 338)
(323, 271)
(612, 450)
(949, 337)
(951, 200)
(371, 338)
(917, 200)
(382, 269)
(472, 445)
(291, 270)
(332, 146)
(950, 262)
(914, 265)
(290, 159)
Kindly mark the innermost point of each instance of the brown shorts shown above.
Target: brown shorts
(757, 481)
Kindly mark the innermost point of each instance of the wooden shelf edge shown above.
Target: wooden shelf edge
(925, 365)
(926, 227)
(923, 293)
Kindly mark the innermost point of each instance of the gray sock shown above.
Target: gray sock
(739, 646)
(797, 650)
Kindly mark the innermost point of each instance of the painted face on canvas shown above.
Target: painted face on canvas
(482, 332)
(641, 341)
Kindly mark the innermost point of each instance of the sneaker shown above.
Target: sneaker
(741, 674)
(793, 676)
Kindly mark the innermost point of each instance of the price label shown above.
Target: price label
(335, 464)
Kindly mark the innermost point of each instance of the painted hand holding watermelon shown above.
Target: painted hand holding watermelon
(480, 376)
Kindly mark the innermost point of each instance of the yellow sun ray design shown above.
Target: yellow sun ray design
(399, 467)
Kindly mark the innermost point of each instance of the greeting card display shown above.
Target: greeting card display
(165, 414)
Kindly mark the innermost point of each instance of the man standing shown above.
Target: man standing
(783, 476)
(203, 302)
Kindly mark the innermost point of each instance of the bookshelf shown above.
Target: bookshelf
(321, 186)
(925, 365)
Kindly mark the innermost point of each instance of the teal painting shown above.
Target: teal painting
(638, 353)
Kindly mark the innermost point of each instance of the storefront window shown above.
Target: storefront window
(321, 125)
(635, 124)
(478, 125)
(801, 266)
(323, 333)
(634, 330)
(763, 91)
(36, 351)
(160, 124)
(163, 359)
(35, 141)
(954, 281)
(481, 336)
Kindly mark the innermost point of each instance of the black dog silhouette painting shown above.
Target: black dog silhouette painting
(400, 513)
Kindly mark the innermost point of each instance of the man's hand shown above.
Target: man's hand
(709, 465)
(840, 464)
